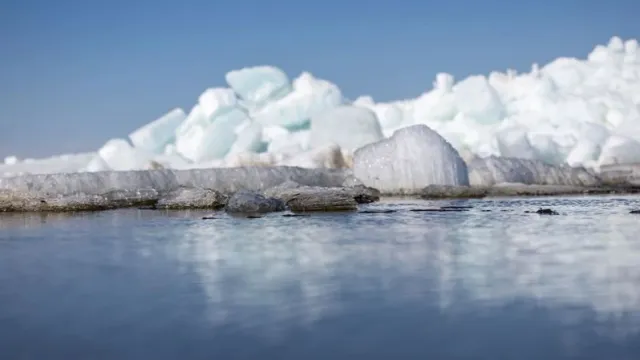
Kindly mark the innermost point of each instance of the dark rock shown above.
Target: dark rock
(360, 193)
(363, 194)
(250, 202)
(634, 212)
(387, 211)
(306, 198)
(546, 212)
(321, 199)
(209, 218)
(192, 198)
(294, 215)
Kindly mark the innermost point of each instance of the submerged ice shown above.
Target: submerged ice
(541, 127)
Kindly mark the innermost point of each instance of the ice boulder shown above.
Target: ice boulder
(212, 139)
(411, 159)
(155, 135)
(215, 100)
(96, 164)
(619, 150)
(349, 127)
(248, 138)
(119, 155)
(476, 98)
(310, 96)
(259, 84)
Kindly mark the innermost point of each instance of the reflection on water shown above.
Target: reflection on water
(493, 282)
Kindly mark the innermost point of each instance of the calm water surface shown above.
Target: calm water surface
(493, 282)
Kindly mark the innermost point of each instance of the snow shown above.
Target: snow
(411, 159)
(506, 126)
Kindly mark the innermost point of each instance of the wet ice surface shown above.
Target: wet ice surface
(489, 282)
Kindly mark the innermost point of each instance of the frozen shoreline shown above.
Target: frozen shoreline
(211, 188)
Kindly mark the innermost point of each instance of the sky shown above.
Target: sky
(76, 73)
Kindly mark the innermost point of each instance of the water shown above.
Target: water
(493, 282)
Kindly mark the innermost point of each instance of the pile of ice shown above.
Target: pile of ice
(571, 111)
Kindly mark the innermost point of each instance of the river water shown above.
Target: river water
(491, 281)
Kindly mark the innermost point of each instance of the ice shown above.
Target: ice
(576, 112)
(498, 170)
(411, 159)
(249, 138)
(259, 84)
(310, 96)
(213, 139)
(56, 164)
(157, 134)
(328, 156)
(10, 160)
(619, 150)
(477, 99)
(216, 100)
(224, 180)
(349, 127)
(119, 155)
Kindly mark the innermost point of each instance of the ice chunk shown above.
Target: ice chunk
(513, 142)
(259, 84)
(195, 118)
(349, 127)
(120, 156)
(499, 170)
(206, 142)
(96, 164)
(55, 164)
(157, 134)
(411, 159)
(10, 160)
(584, 154)
(270, 133)
(293, 142)
(249, 139)
(476, 98)
(216, 100)
(619, 150)
(310, 96)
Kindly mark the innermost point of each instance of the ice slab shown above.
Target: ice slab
(211, 140)
(349, 127)
(259, 84)
(119, 155)
(155, 135)
(224, 180)
(492, 170)
(56, 164)
(413, 158)
(310, 96)
(214, 101)
(619, 150)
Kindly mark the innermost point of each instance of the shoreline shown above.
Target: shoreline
(14, 202)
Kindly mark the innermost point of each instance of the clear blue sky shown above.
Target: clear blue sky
(75, 73)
